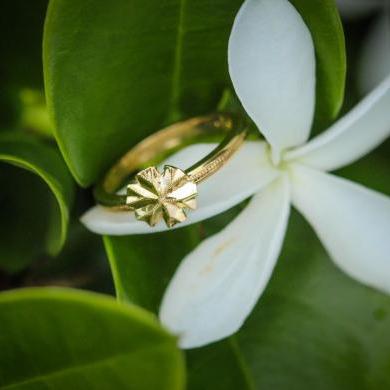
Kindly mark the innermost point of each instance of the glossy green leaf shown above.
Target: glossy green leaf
(323, 21)
(116, 73)
(372, 170)
(313, 328)
(34, 115)
(32, 220)
(21, 28)
(68, 339)
(142, 265)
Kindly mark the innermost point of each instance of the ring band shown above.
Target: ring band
(154, 196)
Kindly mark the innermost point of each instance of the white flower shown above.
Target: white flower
(374, 59)
(272, 66)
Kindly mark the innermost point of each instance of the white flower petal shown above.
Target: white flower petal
(375, 61)
(365, 127)
(247, 172)
(352, 222)
(356, 8)
(272, 67)
(217, 285)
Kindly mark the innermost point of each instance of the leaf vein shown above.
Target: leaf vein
(177, 62)
(242, 364)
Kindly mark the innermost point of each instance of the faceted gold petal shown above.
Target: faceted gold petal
(173, 214)
(136, 189)
(145, 212)
(185, 192)
(150, 179)
(133, 201)
(173, 175)
(151, 214)
(156, 217)
(154, 196)
(149, 174)
(166, 182)
(191, 203)
(170, 179)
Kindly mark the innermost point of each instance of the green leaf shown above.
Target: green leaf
(372, 170)
(68, 339)
(41, 217)
(143, 265)
(218, 366)
(323, 20)
(21, 31)
(313, 328)
(34, 115)
(114, 74)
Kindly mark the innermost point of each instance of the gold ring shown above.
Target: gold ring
(154, 195)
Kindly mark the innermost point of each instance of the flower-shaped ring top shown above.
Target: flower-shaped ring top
(153, 195)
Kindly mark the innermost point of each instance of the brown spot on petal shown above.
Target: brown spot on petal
(222, 247)
(209, 267)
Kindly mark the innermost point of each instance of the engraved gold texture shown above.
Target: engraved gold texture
(155, 196)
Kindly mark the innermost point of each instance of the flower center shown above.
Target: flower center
(276, 158)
